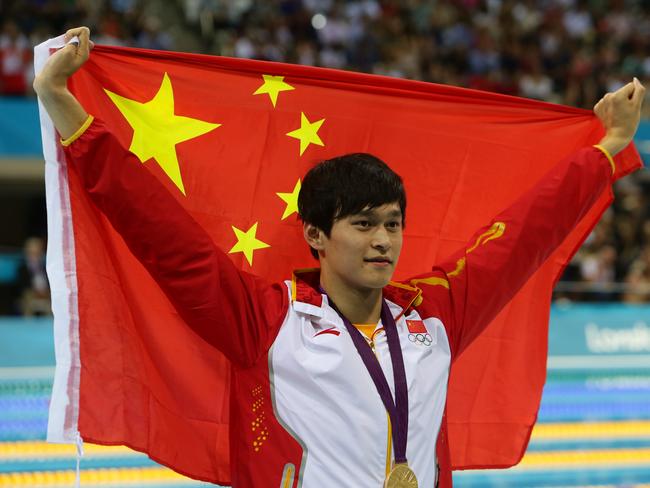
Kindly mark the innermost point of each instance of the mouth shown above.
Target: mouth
(384, 261)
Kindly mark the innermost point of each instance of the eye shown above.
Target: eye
(394, 225)
(362, 223)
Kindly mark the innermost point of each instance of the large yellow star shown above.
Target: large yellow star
(157, 129)
(247, 242)
(291, 199)
(308, 133)
(273, 85)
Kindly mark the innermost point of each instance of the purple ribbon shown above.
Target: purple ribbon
(398, 410)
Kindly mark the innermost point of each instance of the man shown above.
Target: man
(348, 370)
(32, 283)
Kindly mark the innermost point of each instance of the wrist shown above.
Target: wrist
(49, 87)
(614, 143)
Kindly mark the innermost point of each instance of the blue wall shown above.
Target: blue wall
(20, 128)
(26, 342)
(600, 331)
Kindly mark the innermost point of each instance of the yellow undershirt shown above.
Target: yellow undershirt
(366, 329)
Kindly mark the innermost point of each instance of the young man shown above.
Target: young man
(349, 370)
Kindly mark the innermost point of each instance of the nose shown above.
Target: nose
(381, 240)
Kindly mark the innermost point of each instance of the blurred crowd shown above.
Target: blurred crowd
(564, 51)
(614, 263)
(25, 23)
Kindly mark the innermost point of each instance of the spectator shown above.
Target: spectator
(32, 280)
(15, 60)
(152, 35)
(598, 268)
(536, 84)
(638, 279)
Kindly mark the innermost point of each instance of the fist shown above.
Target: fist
(620, 112)
(64, 62)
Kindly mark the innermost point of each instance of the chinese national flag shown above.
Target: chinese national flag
(230, 139)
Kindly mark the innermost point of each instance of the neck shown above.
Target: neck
(358, 306)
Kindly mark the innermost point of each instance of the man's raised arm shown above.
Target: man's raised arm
(471, 287)
(236, 312)
(51, 84)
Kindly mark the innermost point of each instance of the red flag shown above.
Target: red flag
(134, 374)
(416, 327)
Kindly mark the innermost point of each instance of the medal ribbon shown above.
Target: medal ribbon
(398, 410)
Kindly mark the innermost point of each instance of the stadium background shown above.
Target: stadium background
(594, 422)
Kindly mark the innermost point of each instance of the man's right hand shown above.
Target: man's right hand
(64, 62)
(51, 84)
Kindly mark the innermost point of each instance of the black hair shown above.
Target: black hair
(346, 185)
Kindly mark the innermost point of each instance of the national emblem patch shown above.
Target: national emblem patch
(418, 333)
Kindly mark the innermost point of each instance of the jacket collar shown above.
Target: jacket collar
(307, 298)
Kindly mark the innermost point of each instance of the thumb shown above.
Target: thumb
(639, 91)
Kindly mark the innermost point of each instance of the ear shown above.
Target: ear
(314, 236)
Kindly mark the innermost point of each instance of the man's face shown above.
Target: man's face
(362, 249)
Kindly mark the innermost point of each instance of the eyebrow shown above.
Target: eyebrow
(368, 212)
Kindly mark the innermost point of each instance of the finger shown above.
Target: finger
(76, 31)
(69, 47)
(82, 44)
(625, 91)
(639, 91)
(84, 40)
(598, 107)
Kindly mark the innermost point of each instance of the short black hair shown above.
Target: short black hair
(346, 185)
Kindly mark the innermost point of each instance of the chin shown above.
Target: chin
(380, 281)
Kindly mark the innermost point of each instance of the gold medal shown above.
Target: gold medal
(401, 476)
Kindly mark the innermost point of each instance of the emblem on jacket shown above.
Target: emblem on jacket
(331, 330)
(418, 333)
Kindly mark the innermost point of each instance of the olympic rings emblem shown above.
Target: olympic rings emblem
(421, 339)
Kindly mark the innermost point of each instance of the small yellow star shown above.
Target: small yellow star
(247, 242)
(272, 86)
(308, 133)
(291, 199)
(157, 129)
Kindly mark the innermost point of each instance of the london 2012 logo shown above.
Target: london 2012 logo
(418, 333)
